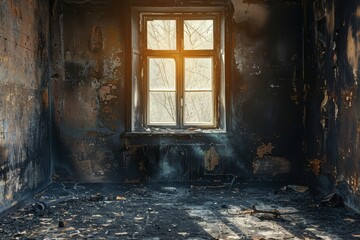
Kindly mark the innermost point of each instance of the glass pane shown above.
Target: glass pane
(162, 108)
(198, 34)
(198, 108)
(161, 34)
(198, 73)
(161, 74)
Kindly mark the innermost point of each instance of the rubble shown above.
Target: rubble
(106, 211)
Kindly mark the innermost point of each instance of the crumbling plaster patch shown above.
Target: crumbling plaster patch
(106, 92)
(353, 44)
(255, 17)
(315, 166)
(352, 50)
(13, 183)
(212, 159)
(353, 182)
(257, 14)
(265, 149)
(112, 65)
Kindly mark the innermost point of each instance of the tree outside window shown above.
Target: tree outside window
(181, 52)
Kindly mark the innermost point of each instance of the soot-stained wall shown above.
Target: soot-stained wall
(267, 88)
(88, 89)
(91, 87)
(332, 105)
(24, 107)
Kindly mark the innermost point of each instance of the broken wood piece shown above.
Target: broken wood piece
(254, 210)
(274, 211)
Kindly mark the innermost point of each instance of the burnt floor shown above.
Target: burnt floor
(107, 211)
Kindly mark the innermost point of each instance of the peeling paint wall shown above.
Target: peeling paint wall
(91, 55)
(88, 89)
(332, 103)
(24, 100)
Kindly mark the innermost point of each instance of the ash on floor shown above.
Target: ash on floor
(250, 210)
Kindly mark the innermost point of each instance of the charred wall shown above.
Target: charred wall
(91, 86)
(267, 95)
(24, 103)
(332, 105)
(88, 89)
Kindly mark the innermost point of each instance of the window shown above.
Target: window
(178, 68)
(180, 75)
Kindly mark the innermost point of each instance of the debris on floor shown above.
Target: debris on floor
(254, 210)
(250, 210)
(296, 188)
(333, 200)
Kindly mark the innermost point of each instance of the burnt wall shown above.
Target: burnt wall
(267, 87)
(88, 89)
(92, 108)
(332, 105)
(24, 104)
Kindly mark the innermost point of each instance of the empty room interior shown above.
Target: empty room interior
(179, 119)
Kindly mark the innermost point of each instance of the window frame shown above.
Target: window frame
(179, 54)
(135, 120)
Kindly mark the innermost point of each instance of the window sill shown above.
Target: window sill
(174, 136)
(169, 131)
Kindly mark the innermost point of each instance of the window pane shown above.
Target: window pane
(198, 73)
(198, 108)
(198, 34)
(161, 34)
(162, 108)
(162, 74)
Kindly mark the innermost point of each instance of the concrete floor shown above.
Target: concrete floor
(107, 211)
